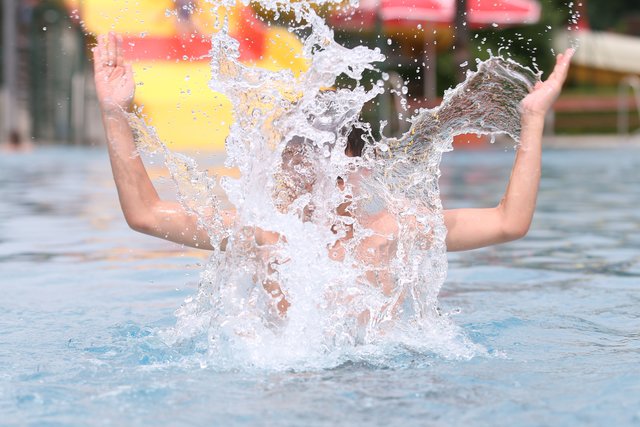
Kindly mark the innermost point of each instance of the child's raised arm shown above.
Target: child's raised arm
(143, 209)
(510, 220)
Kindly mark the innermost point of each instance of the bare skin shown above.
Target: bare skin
(467, 229)
(511, 219)
(143, 209)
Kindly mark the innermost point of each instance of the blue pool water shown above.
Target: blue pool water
(83, 297)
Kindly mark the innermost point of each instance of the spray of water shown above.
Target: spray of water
(330, 258)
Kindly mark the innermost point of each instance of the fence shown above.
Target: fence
(52, 84)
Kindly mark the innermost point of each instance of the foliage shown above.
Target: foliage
(530, 45)
(608, 15)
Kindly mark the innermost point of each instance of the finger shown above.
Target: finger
(95, 51)
(102, 50)
(119, 51)
(569, 52)
(111, 49)
(105, 48)
(128, 71)
(562, 66)
(566, 57)
(561, 69)
(101, 46)
(99, 56)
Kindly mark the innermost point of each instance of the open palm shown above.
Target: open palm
(113, 77)
(544, 94)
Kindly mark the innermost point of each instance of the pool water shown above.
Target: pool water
(83, 299)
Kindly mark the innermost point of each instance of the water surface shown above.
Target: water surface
(557, 313)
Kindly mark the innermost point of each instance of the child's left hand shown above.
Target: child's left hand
(544, 94)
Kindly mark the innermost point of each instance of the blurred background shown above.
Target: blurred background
(48, 95)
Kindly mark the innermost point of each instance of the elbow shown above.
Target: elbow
(139, 223)
(513, 225)
(515, 231)
(142, 217)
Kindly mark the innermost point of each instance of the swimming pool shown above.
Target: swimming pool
(558, 312)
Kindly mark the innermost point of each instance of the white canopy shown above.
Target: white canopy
(604, 51)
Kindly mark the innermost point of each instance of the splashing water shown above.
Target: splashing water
(330, 258)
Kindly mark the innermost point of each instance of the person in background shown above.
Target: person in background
(184, 17)
(16, 144)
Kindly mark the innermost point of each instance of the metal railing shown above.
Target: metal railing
(633, 83)
(56, 53)
(393, 105)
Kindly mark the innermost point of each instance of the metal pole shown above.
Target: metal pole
(78, 107)
(633, 83)
(9, 67)
(430, 71)
(623, 109)
(382, 106)
(461, 29)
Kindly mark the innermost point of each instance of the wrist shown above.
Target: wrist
(532, 126)
(110, 109)
(532, 120)
(532, 115)
(110, 105)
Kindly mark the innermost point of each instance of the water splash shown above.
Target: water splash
(330, 258)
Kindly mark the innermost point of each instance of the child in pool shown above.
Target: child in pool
(467, 229)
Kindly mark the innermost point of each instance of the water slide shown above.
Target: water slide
(171, 65)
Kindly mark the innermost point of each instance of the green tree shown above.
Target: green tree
(609, 15)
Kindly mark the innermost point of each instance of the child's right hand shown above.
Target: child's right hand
(114, 78)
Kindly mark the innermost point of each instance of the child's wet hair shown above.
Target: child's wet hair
(355, 142)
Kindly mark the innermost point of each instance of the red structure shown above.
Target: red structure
(480, 13)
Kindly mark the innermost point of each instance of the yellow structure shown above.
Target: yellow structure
(172, 82)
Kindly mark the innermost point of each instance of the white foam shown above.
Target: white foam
(288, 142)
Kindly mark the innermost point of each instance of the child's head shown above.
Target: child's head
(296, 173)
